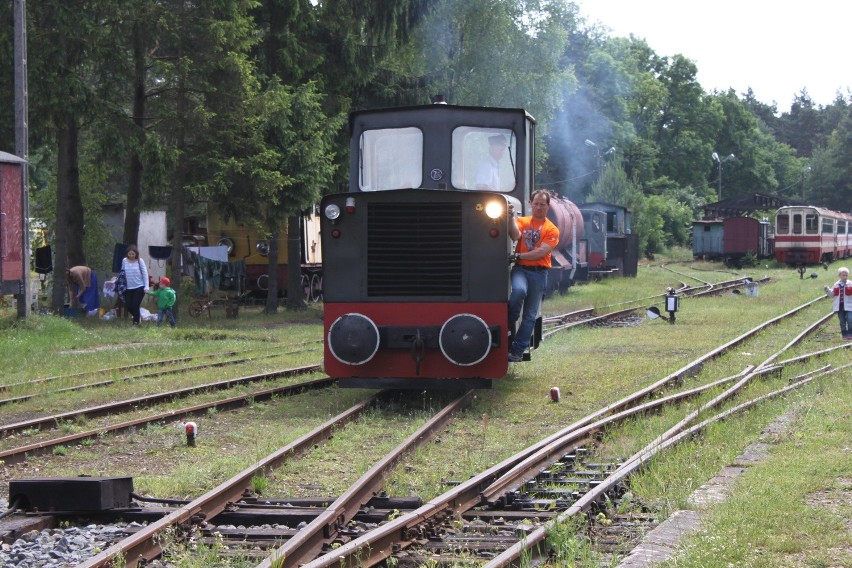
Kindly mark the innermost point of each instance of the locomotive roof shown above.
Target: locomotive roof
(438, 109)
(604, 205)
(747, 203)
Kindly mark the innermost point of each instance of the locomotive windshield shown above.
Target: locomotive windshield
(484, 159)
(479, 158)
(391, 158)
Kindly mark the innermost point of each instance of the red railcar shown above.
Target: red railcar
(807, 235)
(732, 239)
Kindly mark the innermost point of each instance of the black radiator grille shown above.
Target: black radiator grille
(414, 249)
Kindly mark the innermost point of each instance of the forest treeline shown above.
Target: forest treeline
(170, 103)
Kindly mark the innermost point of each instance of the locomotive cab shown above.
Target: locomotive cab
(416, 281)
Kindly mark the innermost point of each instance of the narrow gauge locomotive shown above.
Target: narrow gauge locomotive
(620, 252)
(806, 235)
(415, 257)
(595, 240)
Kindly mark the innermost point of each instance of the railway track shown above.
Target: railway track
(308, 541)
(607, 314)
(219, 358)
(529, 494)
(112, 381)
(498, 484)
(20, 453)
(457, 520)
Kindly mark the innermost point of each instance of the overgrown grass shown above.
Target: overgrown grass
(192, 553)
(794, 508)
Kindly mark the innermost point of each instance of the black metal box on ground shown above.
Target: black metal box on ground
(72, 493)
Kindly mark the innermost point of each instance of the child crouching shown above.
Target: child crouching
(166, 298)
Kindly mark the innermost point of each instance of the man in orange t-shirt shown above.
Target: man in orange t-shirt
(536, 237)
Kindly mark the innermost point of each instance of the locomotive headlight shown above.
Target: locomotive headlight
(494, 209)
(353, 339)
(465, 339)
(332, 211)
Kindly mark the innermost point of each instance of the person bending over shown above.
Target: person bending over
(82, 288)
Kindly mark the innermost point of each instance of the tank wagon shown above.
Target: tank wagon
(571, 257)
(596, 239)
(807, 235)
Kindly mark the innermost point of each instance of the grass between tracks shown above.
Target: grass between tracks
(793, 509)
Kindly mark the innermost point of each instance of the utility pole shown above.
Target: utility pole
(22, 150)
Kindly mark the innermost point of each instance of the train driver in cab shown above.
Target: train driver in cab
(488, 171)
(536, 237)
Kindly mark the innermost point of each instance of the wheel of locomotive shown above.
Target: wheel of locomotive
(316, 288)
(196, 308)
(305, 282)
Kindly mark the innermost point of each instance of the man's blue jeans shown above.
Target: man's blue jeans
(527, 291)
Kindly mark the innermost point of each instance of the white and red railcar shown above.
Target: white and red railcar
(806, 235)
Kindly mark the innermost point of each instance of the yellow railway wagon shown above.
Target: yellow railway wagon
(244, 242)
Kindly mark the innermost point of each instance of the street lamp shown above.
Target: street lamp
(720, 162)
(591, 144)
(609, 151)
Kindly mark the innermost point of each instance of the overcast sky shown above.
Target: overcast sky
(776, 48)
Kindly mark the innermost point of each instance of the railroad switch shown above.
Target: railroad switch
(672, 304)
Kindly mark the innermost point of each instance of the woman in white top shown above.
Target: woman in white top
(137, 281)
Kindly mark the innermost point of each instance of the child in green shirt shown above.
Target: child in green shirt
(166, 298)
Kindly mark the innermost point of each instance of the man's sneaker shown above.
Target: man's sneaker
(514, 357)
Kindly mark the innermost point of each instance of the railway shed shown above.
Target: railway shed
(746, 204)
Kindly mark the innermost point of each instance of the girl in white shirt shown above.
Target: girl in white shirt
(137, 281)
